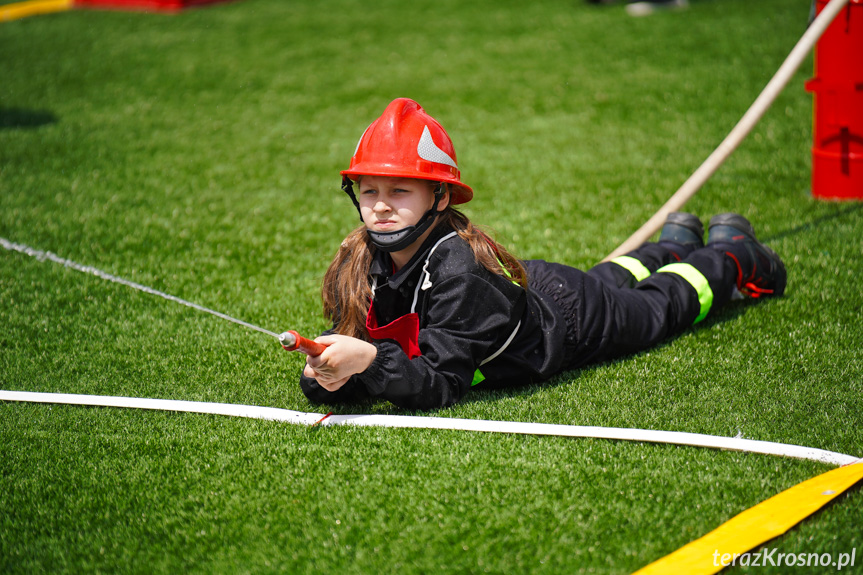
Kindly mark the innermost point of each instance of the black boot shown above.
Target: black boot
(681, 234)
(760, 272)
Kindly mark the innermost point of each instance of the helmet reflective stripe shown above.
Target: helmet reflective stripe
(360, 141)
(427, 150)
(633, 266)
(697, 280)
(405, 142)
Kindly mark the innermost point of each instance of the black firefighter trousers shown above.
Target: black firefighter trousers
(610, 313)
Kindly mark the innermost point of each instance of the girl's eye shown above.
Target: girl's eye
(369, 191)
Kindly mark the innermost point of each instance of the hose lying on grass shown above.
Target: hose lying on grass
(740, 131)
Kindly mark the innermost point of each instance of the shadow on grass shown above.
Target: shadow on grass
(11, 118)
(816, 223)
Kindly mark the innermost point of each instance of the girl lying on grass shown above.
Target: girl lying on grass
(425, 306)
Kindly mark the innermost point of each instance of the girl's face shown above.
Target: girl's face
(391, 204)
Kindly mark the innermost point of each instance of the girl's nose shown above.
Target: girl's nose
(381, 206)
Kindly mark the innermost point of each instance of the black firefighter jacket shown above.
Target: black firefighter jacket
(469, 319)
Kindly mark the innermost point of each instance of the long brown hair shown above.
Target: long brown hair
(346, 291)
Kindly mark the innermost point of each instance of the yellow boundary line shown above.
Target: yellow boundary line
(32, 8)
(759, 524)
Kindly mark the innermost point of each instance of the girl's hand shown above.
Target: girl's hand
(345, 356)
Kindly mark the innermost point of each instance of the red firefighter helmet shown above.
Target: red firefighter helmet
(406, 142)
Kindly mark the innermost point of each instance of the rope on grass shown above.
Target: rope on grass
(42, 256)
(740, 131)
(455, 424)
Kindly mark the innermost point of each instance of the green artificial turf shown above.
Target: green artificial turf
(199, 153)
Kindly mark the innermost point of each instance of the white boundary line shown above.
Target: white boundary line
(420, 422)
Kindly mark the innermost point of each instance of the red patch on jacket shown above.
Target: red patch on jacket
(404, 330)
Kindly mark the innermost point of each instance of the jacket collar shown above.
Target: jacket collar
(382, 264)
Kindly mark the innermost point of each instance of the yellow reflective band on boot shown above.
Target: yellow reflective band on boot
(697, 280)
(633, 266)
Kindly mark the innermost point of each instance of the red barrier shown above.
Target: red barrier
(145, 5)
(837, 152)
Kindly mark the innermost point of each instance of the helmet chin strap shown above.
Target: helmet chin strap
(399, 239)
